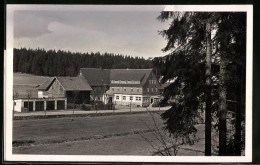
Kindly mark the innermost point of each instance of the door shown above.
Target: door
(39, 106)
(30, 107)
(60, 104)
(50, 105)
(151, 101)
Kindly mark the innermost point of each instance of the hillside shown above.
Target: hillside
(62, 63)
(27, 83)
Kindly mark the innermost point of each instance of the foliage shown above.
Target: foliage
(184, 67)
(65, 63)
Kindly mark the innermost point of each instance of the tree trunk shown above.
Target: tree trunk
(239, 97)
(222, 108)
(208, 93)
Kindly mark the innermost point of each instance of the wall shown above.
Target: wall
(18, 105)
(127, 101)
(127, 90)
(152, 86)
(56, 90)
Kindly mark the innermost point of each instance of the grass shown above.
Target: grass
(28, 79)
(68, 129)
(97, 135)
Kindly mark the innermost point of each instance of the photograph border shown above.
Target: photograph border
(8, 87)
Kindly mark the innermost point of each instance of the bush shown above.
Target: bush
(24, 109)
(86, 107)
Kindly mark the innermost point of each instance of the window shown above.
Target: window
(117, 97)
(131, 89)
(140, 98)
(131, 98)
(152, 89)
(136, 98)
(112, 89)
(156, 89)
(124, 98)
(118, 89)
(124, 89)
(147, 89)
(150, 82)
(137, 89)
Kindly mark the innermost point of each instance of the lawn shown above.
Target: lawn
(69, 129)
(99, 135)
(28, 79)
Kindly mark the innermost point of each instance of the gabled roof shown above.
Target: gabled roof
(68, 83)
(46, 85)
(101, 77)
(96, 77)
(74, 83)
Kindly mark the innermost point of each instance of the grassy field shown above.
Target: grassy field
(103, 135)
(23, 83)
(28, 79)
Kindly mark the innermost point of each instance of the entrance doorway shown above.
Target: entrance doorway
(60, 104)
(50, 105)
(39, 106)
(28, 106)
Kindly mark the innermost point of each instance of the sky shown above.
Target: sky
(128, 30)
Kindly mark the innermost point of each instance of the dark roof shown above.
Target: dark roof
(128, 76)
(44, 86)
(100, 77)
(96, 77)
(23, 90)
(68, 83)
(74, 83)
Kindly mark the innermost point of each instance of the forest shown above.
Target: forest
(65, 63)
(207, 61)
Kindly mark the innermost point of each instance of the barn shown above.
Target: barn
(55, 94)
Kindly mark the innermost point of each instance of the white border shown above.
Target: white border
(8, 87)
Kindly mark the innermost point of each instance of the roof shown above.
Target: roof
(68, 83)
(101, 77)
(22, 91)
(96, 77)
(74, 84)
(46, 84)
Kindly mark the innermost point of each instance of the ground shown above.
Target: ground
(117, 134)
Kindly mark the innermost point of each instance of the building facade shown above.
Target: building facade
(55, 94)
(124, 86)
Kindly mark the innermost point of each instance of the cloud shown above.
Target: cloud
(125, 32)
(28, 25)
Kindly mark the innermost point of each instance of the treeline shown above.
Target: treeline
(66, 63)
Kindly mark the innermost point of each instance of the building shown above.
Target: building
(138, 87)
(99, 81)
(55, 94)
